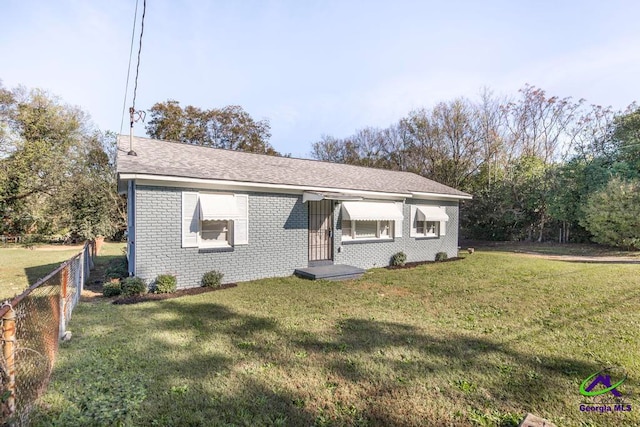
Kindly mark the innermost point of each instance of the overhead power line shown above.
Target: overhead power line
(126, 86)
(135, 87)
(134, 115)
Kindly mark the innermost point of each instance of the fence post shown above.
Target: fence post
(9, 351)
(91, 253)
(82, 272)
(64, 277)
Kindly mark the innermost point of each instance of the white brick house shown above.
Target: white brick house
(194, 209)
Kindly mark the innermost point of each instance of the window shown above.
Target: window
(371, 220)
(214, 220)
(427, 228)
(215, 233)
(428, 221)
(354, 230)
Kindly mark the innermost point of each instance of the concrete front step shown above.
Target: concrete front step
(330, 272)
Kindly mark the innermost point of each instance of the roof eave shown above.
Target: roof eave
(440, 196)
(182, 181)
(123, 177)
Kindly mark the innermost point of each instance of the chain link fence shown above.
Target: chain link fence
(32, 324)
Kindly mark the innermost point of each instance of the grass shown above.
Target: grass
(21, 267)
(552, 248)
(480, 341)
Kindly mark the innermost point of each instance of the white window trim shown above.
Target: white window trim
(440, 228)
(353, 237)
(238, 227)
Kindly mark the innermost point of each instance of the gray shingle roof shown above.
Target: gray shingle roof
(155, 157)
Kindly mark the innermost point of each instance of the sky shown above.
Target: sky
(314, 68)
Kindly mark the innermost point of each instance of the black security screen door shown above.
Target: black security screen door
(320, 230)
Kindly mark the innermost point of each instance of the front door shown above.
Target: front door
(321, 231)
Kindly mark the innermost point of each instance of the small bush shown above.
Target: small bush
(441, 256)
(111, 289)
(117, 269)
(133, 286)
(212, 279)
(165, 283)
(399, 259)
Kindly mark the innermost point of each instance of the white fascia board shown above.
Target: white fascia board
(438, 196)
(175, 181)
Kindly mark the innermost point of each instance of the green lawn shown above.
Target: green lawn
(552, 248)
(22, 267)
(480, 341)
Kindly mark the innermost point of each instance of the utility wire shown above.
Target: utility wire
(126, 87)
(135, 87)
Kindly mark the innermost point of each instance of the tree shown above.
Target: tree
(40, 139)
(612, 215)
(626, 138)
(540, 126)
(531, 162)
(230, 127)
(446, 143)
(92, 203)
(53, 167)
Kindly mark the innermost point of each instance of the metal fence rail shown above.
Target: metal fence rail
(32, 324)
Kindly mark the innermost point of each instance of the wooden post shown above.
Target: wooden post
(9, 351)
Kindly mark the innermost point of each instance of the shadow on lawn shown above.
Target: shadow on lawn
(36, 273)
(245, 379)
(39, 271)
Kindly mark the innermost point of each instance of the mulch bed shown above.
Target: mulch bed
(179, 293)
(415, 264)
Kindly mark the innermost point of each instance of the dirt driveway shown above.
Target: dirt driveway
(584, 258)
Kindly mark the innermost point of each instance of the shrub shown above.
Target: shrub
(133, 286)
(117, 269)
(111, 289)
(165, 283)
(212, 279)
(399, 259)
(619, 223)
(441, 256)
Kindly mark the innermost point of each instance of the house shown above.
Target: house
(194, 209)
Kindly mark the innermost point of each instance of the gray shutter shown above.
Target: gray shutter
(443, 224)
(413, 231)
(241, 223)
(190, 219)
(397, 232)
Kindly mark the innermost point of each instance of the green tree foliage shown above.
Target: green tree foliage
(531, 162)
(626, 139)
(230, 127)
(612, 215)
(55, 175)
(93, 205)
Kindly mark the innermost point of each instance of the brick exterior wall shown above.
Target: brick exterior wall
(278, 239)
(378, 254)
